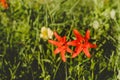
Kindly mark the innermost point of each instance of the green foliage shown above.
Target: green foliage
(25, 56)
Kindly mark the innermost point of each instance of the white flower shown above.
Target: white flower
(46, 33)
(112, 14)
(50, 33)
(118, 76)
(96, 24)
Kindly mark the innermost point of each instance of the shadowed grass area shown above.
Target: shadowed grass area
(24, 55)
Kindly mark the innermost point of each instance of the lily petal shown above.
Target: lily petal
(77, 34)
(54, 42)
(92, 45)
(73, 43)
(69, 50)
(4, 3)
(77, 51)
(87, 35)
(63, 56)
(57, 36)
(57, 50)
(64, 39)
(85, 50)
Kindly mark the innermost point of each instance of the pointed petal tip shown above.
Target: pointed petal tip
(86, 51)
(74, 55)
(75, 31)
(57, 50)
(87, 35)
(51, 41)
(77, 34)
(64, 60)
(94, 46)
(88, 30)
(69, 50)
(57, 36)
(89, 56)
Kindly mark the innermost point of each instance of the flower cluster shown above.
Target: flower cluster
(81, 43)
(46, 33)
(4, 4)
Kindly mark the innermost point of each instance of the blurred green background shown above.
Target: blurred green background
(26, 56)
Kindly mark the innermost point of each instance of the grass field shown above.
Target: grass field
(27, 28)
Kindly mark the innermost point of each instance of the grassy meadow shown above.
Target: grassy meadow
(27, 25)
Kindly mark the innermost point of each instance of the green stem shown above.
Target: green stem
(66, 72)
(56, 70)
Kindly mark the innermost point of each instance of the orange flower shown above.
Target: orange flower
(4, 3)
(82, 44)
(62, 46)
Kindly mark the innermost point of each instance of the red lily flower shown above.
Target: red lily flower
(4, 3)
(62, 46)
(81, 43)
